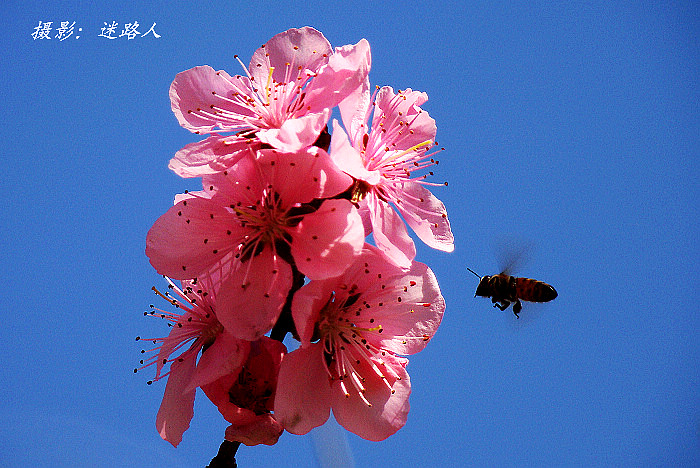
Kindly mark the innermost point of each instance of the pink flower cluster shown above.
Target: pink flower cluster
(275, 244)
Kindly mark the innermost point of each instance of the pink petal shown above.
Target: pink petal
(295, 134)
(255, 391)
(198, 89)
(392, 108)
(366, 216)
(346, 71)
(187, 195)
(389, 400)
(406, 304)
(427, 216)
(264, 429)
(390, 233)
(177, 408)
(264, 362)
(304, 47)
(225, 356)
(240, 183)
(218, 393)
(302, 176)
(191, 237)
(326, 241)
(355, 110)
(408, 325)
(266, 357)
(347, 158)
(302, 401)
(251, 298)
(214, 154)
(306, 306)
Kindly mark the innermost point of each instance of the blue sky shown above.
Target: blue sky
(571, 126)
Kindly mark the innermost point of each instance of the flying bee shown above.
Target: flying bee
(505, 290)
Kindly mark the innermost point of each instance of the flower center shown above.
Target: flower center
(273, 102)
(196, 326)
(380, 148)
(344, 331)
(267, 222)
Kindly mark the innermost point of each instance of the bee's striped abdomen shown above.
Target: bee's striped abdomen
(534, 291)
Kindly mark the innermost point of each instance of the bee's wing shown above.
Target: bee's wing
(512, 253)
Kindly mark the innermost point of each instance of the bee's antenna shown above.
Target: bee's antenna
(478, 276)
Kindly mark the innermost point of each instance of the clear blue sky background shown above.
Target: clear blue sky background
(570, 125)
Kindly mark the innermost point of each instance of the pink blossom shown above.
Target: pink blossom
(279, 228)
(198, 331)
(214, 154)
(246, 399)
(385, 159)
(284, 100)
(352, 329)
(251, 222)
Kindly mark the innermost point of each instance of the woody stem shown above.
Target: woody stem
(226, 457)
(285, 322)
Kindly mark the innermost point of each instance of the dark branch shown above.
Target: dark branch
(226, 458)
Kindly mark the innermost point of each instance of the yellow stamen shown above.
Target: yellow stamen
(358, 329)
(267, 86)
(409, 150)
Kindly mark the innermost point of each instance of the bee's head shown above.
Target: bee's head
(483, 288)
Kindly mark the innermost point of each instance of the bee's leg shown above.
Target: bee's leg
(517, 307)
(502, 304)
